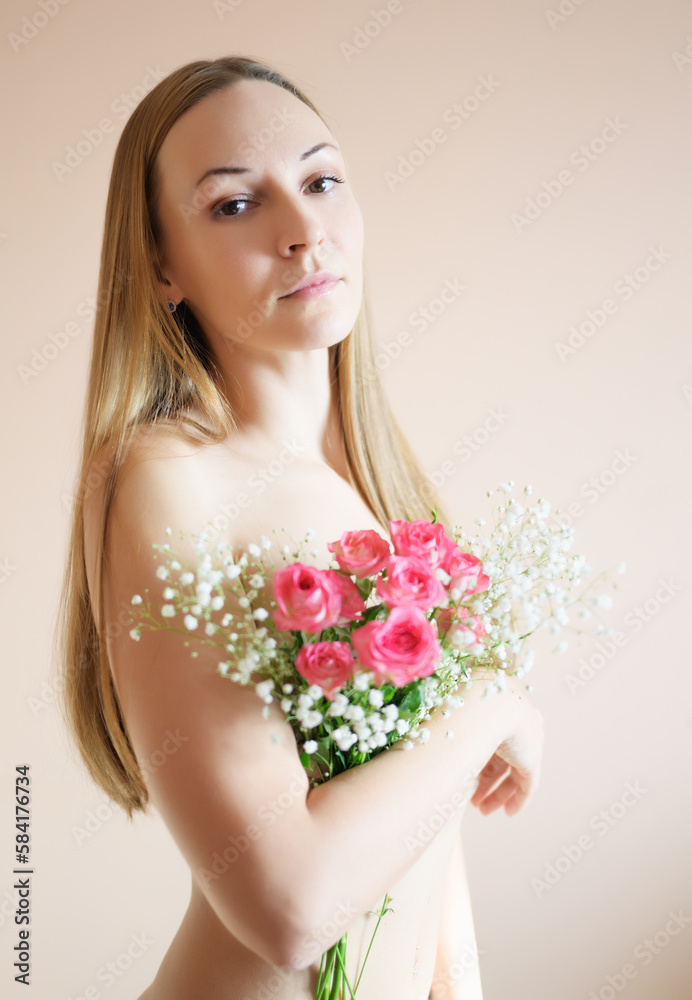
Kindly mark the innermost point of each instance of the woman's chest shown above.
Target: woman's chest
(289, 502)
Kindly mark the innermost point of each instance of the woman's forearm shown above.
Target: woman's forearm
(368, 825)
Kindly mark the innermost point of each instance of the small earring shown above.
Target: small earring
(171, 306)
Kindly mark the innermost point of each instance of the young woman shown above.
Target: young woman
(233, 382)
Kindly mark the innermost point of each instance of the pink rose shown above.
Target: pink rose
(419, 538)
(401, 648)
(328, 664)
(311, 599)
(352, 604)
(465, 570)
(449, 621)
(411, 581)
(360, 553)
(308, 599)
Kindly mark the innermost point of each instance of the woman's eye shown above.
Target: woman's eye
(234, 202)
(326, 177)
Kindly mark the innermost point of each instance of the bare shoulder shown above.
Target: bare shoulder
(164, 477)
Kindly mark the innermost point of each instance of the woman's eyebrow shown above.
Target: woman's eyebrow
(248, 170)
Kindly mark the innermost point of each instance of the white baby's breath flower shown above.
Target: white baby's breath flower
(355, 713)
(376, 698)
(134, 634)
(315, 691)
(362, 681)
(287, 689)
(310, 746)
(402, 726)
(169, 593)
(264, 689)
(305, 700)
(136, 599)
(254, 550)
(338, 705)
(561, 647)
(190, 622)
(210, 628)
(161, 572)
(186, 578)
(343, 737)
(168, 611)
(260, 614)
(217, 602)
(603, 601)
(286, 705)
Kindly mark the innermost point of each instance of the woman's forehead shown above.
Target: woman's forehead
(243, 126)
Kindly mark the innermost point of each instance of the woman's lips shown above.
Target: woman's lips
(314, 291)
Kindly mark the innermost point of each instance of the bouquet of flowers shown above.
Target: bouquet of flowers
(358, 656)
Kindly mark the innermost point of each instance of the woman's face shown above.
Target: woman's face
(237, 242)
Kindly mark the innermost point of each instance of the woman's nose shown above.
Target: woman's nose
(299, 228)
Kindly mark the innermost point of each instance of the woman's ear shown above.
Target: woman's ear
(170, 290)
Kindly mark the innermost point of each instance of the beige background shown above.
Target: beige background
(557, 78)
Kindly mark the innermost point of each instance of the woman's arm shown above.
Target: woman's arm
(457, 971)
(277, 863)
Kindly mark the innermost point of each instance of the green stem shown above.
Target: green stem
(334, 993)
(320, 976)
(341, 955)
(323, 986)
(383, 910)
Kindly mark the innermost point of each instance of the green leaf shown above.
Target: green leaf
(412, 701)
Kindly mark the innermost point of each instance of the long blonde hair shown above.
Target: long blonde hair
(148, 366)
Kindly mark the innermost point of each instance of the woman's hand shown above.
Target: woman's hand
(511, 776)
